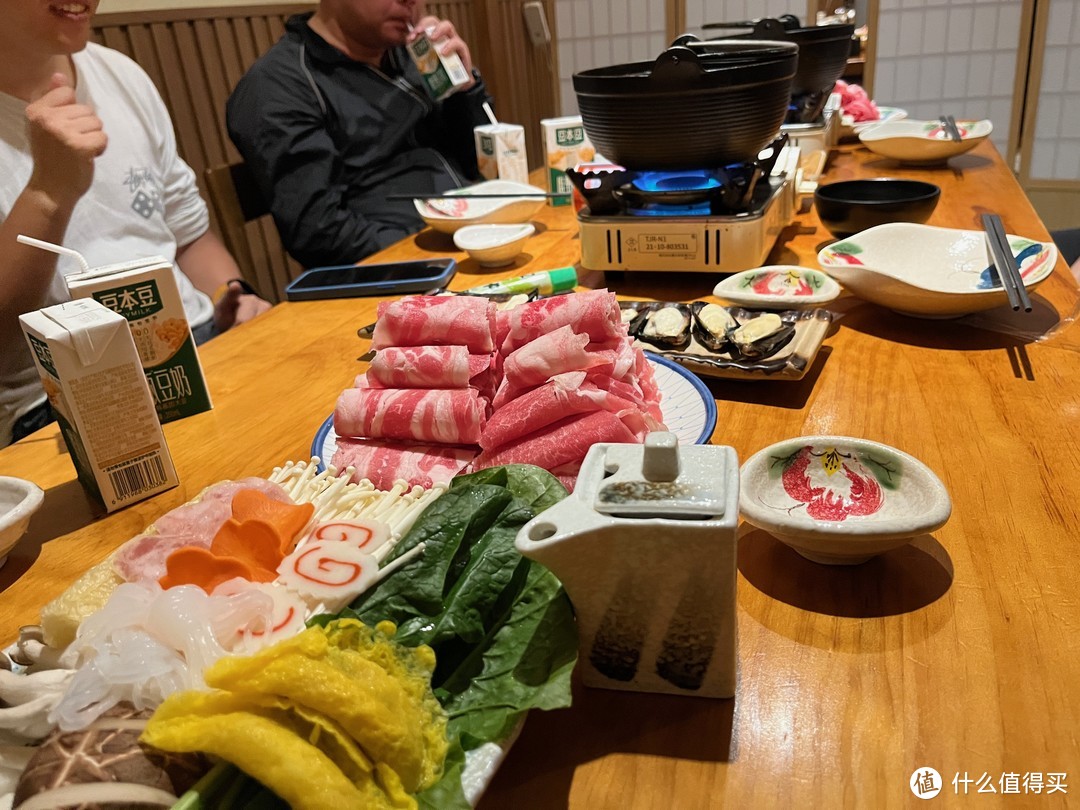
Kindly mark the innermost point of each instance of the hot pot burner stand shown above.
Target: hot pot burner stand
(690, 242)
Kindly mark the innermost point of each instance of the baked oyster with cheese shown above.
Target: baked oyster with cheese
(664, 325)
(761, 336)
(713, 325)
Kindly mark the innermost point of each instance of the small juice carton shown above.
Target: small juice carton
(94, 379)
(500, 152)
(565, 146)
(442, 75)
(144, 291)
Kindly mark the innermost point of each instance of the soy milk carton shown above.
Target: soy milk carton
(565, 146)
(94, 380)
(500, 152)
(144, 292)
(442, 75)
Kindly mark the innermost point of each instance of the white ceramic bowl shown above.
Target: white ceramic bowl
(839, 500)
(786, 286)
(850, 128)
(493, 245)
(447, 214)
(930, 272)
(923, 142)
(19, 499)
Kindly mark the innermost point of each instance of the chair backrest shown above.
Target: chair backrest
(248, 231)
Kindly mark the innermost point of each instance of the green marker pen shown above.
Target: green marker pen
(546, 281)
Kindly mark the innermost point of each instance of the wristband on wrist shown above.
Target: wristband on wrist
(220, 292)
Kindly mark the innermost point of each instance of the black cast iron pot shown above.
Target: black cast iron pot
(686, 112)
(823, 49)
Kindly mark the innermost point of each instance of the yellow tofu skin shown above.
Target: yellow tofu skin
(336, 716)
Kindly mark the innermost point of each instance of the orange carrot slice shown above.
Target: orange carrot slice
(192, 565)
(251, 504)
(251, 544)
(256, 542)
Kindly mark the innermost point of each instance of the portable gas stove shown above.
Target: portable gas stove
(820, 133)
(710, 220)
(815, 138)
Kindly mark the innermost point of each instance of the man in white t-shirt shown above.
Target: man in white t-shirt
(88, 160)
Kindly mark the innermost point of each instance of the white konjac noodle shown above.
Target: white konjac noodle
(147, 643)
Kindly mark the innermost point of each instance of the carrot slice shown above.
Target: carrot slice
(192, 565)
(256, 542)
(251, 504)
(251, 544)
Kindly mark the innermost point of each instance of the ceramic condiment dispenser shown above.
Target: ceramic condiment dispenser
(645, 547)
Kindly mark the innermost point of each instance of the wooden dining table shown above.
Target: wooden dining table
(958, 652)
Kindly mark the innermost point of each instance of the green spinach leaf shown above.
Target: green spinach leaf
(501, 626)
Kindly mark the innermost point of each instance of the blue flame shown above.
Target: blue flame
(688, 180)
(702, 209)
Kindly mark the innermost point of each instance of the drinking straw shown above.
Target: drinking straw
(490, 114)
(63, 251)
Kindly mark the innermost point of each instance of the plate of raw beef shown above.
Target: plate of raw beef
(689, 410)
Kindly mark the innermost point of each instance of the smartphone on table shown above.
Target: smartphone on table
(353, 280)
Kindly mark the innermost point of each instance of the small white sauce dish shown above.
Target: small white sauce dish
(778, 285)
(493, 245)
(19, 499)
(838, 500)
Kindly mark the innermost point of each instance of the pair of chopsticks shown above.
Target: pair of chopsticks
(1008, 269)
(508, 195)
(951, 128)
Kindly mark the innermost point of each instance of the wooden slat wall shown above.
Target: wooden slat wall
(195, 57)
(524, 86)
(469, 25)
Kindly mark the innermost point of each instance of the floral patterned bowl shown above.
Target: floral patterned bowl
(785, 286)
(923, 142)
(850, 128)
(930, 272)
(838, 500)
(448, 214)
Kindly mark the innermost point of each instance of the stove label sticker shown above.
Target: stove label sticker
(668, 244)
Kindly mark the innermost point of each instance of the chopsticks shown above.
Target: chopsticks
(508, 195)
(950, 127)
(1007, 268)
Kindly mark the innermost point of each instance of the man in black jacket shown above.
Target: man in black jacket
(335, 116)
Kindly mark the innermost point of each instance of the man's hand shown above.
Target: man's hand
(440, 30)
(236, 306)
(65, 138)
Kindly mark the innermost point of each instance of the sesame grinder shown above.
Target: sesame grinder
(645, 547)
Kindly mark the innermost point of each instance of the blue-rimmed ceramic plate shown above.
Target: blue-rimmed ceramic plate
(688, 407)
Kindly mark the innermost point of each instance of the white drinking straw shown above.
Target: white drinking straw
(63, 251)
(490, 114)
